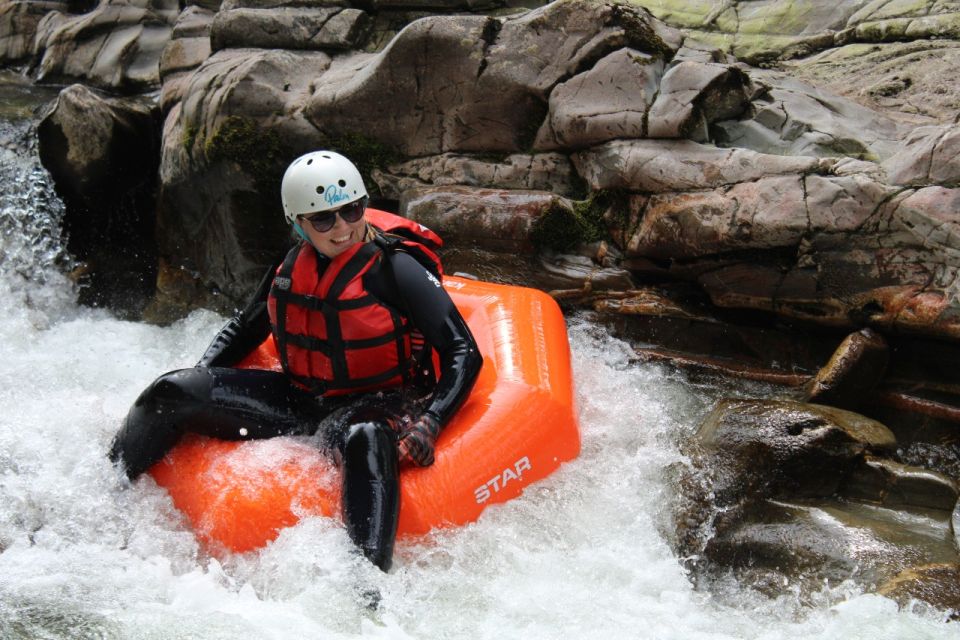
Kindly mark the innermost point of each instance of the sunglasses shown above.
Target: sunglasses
(324, 221)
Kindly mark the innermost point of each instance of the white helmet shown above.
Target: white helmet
(319, 181)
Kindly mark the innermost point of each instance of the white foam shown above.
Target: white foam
(580, 555)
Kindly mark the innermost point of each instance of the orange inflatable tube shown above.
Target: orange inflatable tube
(517, 426)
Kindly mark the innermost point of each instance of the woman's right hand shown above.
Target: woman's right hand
(417, 441)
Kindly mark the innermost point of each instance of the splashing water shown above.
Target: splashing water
(584, 554)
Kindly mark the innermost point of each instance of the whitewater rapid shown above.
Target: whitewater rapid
(584, 554)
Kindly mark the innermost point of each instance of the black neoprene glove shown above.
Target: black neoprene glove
(417, 441)
(220, 348)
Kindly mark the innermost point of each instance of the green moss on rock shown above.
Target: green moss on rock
(256, 150)
(562, 228)
(366, 153)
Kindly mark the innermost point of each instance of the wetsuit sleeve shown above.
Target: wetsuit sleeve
(243, 332)
(431, 310)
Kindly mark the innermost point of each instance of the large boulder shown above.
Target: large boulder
(486, 92)
(102, 154)
(609, 101)
(219, 215)
(693, 95)
(490, 79)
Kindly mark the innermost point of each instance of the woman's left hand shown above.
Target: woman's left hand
(417, 441)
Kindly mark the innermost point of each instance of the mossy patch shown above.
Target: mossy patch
(256, 150)
(189, 137)
(562, 228)
(366, 153)
(639, 34)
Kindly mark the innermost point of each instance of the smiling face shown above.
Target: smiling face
(341, 236)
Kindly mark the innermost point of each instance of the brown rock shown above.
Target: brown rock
(854, 370)
(607, 102)
(657, 166)
(935, 584)
(898, 485)
(538, 172)
(693, 95)
(115, 46)
(493, 219)
(931, 155)
(320, 28)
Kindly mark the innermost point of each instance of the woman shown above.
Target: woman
(354, 313)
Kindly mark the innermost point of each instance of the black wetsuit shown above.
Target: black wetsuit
(359, 431)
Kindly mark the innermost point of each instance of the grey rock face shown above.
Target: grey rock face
(693, 95)
(541, 172)
(610, 101)
(792, 118)
(490, 79)
(115, 46)
(931, 155)
(493, 219)
(658, 166)
(18, 26)
(321, 28)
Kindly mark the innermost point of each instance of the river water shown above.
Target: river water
(584, 554)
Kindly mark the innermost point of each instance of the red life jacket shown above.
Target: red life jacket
(333, 336)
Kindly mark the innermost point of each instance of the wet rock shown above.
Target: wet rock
(290, 27)
(102, 154)
(609, 101)
(581, 273)
(116, 46)
(808, 543)
(538, 172)
(781, 443)
(935, 584)
(931, 155)
(657, 166)
(693, 95)
(898, 485)
(955, 525)
(749, 451)
(94, 145)
(492, 219)
(854, 370)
